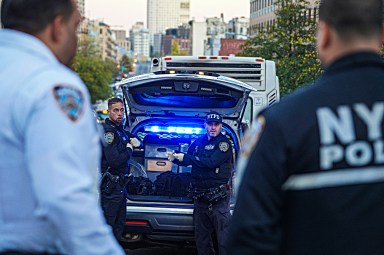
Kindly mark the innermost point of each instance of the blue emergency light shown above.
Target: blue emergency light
(174, 129)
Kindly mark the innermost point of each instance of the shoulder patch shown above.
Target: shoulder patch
(70, 101)
(223, 146)
(109, 137)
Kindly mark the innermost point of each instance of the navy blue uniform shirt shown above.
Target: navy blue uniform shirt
(211, 161)
(314, 182)
(116, 154)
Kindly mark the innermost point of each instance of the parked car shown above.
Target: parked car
(166, 110)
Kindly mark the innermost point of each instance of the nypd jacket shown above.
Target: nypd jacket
(211, 161)
(49, 154)
(314, 182)
(116, 154)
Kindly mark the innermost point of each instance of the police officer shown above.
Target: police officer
(211, 160)
(49, 146)
(314, 181)
(117, 150)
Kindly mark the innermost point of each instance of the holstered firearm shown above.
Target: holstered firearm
(212, 195)
(109, 182)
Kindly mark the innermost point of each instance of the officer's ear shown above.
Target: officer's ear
(58, 26)
(323, 36)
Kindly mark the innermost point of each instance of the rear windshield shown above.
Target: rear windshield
(185, 94)
(185, 101)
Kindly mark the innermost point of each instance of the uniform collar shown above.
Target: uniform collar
(26, 42)
(111, 123)
(358, 59)
(213, 138)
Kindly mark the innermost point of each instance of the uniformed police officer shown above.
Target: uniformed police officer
(117, 150)
(49, 147)
(211, 160)
(314, 182)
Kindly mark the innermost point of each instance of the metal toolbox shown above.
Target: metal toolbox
(159, 150)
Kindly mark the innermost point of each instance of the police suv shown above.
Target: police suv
(166, 111)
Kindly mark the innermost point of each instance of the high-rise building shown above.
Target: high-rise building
(262, 13)
(107, 42)
(139, 37)
(163, 14)
(123, 43)
(157, 44)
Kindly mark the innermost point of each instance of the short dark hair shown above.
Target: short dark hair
(114, 100)
(32, 16)
(353, 18)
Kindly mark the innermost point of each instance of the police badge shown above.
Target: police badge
(223, 146)
(109, 137)
(70, 100)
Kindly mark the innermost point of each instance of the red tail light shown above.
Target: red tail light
(136, 223)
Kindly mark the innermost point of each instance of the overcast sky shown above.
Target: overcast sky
(125, 13)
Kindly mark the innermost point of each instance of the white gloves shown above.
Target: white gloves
(134, 142)
(179, 156)
(129, 146)
(173, 156)
(170, 156)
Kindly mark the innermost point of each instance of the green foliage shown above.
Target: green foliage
(95, 73)
(127, 62)
(175, 49)
(291, 43)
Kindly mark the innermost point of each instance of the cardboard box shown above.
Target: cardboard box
(159, 150)
(160, 165)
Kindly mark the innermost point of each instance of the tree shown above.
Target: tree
(126, 62)
(175, 48)
(95, 73)
(291, 42)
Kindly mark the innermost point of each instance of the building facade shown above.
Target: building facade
(107, 43)
(238, 28)
(199, 37)
(163, 14)
(123, 43)
(262, 13)
(157, 44)
(216, 30)
(139, 37)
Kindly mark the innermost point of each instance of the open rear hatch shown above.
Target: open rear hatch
(166, 111)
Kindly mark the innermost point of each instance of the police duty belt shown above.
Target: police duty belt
(212, 195)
